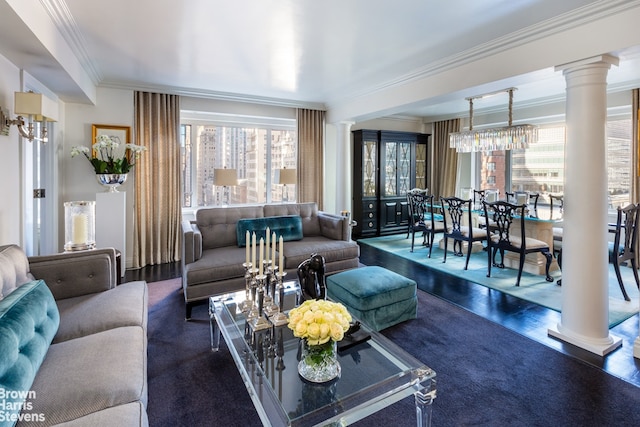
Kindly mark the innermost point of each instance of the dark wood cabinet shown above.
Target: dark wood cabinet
(387, 164)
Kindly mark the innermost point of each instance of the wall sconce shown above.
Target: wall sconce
(286, 176)
(225, 178)
(37, 108)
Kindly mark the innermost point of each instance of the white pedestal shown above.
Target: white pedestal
(111, 223)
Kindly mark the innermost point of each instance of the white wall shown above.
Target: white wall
(77, 177)
(10, 171)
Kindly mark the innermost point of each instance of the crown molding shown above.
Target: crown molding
(221, 96)
(575, 18)
(66, 24)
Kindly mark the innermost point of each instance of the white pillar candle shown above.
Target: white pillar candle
(80, 228)
(253, 250)
(266, 245)
(261, 256)
(280, 246)
(273, 249)
(247, 244)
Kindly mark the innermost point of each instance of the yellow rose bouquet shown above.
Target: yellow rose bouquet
(318, 321)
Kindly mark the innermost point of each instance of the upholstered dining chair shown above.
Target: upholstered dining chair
(417, 204)
(523, 198)
(457, 217)
(624, 249)
(435, 224)
(481, 196)
(507, 238)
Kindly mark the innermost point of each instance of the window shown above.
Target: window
(256, 152)
(540, 168)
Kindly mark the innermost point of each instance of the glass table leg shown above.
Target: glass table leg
(424, 398)
(213, 327)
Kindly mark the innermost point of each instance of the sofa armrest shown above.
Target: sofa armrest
(73, 274)
(191, 242)
(334, 226)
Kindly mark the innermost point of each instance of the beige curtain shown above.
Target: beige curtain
(310, 156)
(445, 159)
(157, 178)
(635, 146)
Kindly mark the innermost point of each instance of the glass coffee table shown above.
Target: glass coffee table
(375, 373)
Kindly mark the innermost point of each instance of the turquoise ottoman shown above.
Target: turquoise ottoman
(376, 296)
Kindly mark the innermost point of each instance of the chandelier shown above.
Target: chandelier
(493, 139)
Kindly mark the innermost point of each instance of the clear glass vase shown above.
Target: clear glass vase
(319, 363)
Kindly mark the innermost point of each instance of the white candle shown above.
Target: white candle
(273, 249)
(266, 245)
(253, 250)
(80, 228)
(247, 243)
(280, 245)
(261, 255)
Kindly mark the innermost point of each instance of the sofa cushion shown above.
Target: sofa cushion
(89, 374)
(28, 321)
(130, 414)
(307, 211)
(288, 226)
(125, 305)
(14, 269)
(215, 265)
(332, 250)
(218, 225)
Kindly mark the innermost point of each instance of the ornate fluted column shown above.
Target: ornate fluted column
(585, 291)
(343, 166)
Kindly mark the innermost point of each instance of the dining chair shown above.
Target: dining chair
(624, 249)
(417, 203)
(435, 224)
(481, 196)
(513, 239)
(523, 198)
(557, 200)
(418, 192)
(458, 225)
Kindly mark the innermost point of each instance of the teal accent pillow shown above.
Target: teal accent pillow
(29, 319)
(287, 226)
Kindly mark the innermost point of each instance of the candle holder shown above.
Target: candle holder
(279, 318)
(79, 225)
(260, 323)
(246, 305)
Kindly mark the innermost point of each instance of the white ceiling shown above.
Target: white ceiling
(292, 52)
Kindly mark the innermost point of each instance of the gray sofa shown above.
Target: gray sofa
(73, 345)
(213, 248)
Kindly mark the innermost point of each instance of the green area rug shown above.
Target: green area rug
(532, 287)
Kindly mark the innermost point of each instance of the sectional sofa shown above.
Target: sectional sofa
(73, 345)
(214, 245)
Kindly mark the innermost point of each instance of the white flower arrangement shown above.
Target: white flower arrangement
(104, 162)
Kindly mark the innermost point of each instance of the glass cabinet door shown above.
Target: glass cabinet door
(397, 170)
(421, 166)
(390, 169)
(369, 168)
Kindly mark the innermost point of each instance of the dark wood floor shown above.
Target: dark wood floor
(525, 318)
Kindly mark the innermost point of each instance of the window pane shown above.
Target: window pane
(256, 153)
(618, 162)
(540, 168)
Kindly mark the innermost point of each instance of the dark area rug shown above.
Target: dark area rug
(487, 375)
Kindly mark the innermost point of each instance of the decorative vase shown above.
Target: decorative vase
(111, 180)
(319, 363)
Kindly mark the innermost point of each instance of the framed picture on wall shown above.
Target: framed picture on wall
(120, 134)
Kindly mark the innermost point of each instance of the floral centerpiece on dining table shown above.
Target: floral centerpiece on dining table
(320, 324)
(103, 158)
